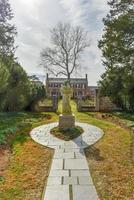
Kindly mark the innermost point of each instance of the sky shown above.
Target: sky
(35, 18)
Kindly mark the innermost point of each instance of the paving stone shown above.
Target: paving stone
(54, 181)
(64, 155)
(85, 180)
(59, 151)
(70, 155)
(59, 173)
(57, 155)
(54, 147)
(72, 144)
(80, 172)
(58, 192)
(73, 150)
(84, 192)
(70, 147)
(70, 181)
(78, 139)
(84, 146)
(67, 155)
(55, 143)
(75, 164)
(57, 164)
(79, 155)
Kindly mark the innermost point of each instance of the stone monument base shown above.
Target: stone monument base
(66, 121)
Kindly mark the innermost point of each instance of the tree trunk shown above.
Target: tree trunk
(69, 79)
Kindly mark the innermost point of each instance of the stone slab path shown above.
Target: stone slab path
(69, 177)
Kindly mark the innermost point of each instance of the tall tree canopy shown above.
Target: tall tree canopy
(37, 92)
(4, 76)
(117, 45)
(7, 29)
(67, 46)
(16, 89)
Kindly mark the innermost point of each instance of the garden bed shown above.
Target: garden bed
(68, 134)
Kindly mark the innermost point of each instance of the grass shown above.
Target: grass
(124, 115)
(126, 118)
(111, 164)
(29, 162)
(110, 159)
(12, 123)
(68, 134)
(27, 173)
(88, 102)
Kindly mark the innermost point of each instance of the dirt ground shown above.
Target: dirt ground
(5, 153)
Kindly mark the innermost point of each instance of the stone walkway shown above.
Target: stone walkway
(69, 177)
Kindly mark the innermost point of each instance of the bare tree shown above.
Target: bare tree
(68, 44)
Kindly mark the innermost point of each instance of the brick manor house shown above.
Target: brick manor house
(79, 85)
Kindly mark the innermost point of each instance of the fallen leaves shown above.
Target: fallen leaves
(114, 174)
(28, 170)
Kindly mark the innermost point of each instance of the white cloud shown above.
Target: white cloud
(34, 19)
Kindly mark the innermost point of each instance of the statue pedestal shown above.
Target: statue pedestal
(66, 121)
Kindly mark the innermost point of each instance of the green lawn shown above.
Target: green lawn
(125, 116)
(110, 159)
(12, 123)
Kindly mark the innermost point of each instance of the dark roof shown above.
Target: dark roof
(62, 80)
(93, 87)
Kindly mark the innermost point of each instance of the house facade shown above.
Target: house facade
(92, 91)
(79, 85)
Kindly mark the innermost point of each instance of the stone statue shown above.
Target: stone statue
(66, 92)
(66, 119)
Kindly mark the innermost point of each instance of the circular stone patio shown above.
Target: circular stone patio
(90, 136)
(69, 177)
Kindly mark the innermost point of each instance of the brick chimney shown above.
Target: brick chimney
(87, 80)
(47, 76)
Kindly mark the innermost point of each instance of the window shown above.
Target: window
(79, 93)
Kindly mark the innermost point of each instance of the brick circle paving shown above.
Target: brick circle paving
(69, 176)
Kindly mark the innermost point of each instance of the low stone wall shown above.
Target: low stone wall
(102, 104)
(105, 104)
(86, 108)
(45, 108)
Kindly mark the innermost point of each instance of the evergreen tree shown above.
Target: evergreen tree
(4, 76)
(16, 90)
(37, 92)
(17, 93)
(7, 30)
(117, 45)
